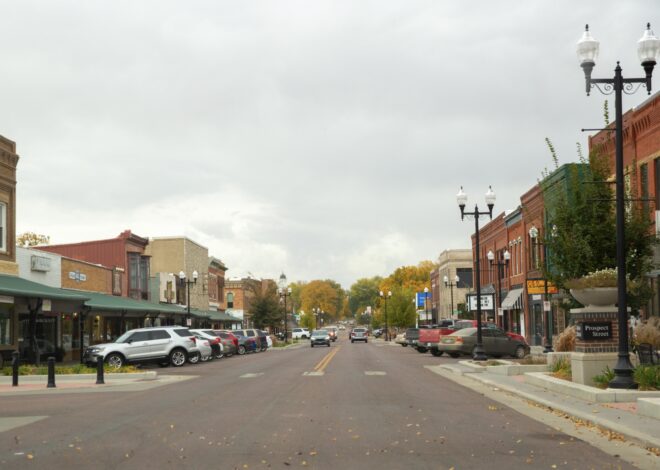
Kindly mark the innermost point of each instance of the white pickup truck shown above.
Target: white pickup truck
(300, 333)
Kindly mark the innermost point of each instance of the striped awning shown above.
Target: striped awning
(513, 300)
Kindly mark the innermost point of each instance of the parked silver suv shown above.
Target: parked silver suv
(164, 345)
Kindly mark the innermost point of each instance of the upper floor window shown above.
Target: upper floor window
(138, 275)
(3, 226)
(230, 300)
(464, 278)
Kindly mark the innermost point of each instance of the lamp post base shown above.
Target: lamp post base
(547, 349)
(623, 375)
(479, 353)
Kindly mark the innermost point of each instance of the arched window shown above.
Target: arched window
(230, 300)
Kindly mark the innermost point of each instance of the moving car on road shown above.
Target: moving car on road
(359, 334)
(320, 337)
(332, 331)
(496, 343)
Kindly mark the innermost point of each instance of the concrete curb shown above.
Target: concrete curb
(630, 434)
(81, 378)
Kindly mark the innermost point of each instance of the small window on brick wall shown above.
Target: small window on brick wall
(3, 226)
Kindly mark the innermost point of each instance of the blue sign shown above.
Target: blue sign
(420, 297)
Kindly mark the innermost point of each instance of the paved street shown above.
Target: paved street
(349, 406)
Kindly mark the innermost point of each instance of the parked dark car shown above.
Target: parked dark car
(496, 343)
(245, 344)
(258, 335)
(229, 342)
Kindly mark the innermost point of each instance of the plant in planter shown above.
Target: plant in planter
(596, 288)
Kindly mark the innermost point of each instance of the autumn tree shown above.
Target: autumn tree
(32, 239)
(363, 293)
(323, 295)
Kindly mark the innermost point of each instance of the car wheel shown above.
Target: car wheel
(241, 350)
(454, 355)
(352, 341)
(115, 360)
(520, 352)
(178, 357)
(436, 353)
(404, 345)
(312, 344)
(194, 358)
(220, 355)
(163, 364)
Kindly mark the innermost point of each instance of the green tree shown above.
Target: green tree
(265, 309)
(32, 239)
(363, 293)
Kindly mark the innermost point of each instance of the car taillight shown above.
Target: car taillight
(193, 339)
(458, 339)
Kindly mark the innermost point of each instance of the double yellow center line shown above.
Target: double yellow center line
(326, 360)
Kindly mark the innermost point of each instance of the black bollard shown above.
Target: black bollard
(99, 370)
(51, 372)
(14, 369)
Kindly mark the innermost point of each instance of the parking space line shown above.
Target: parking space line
(251, 376)
(374, 372)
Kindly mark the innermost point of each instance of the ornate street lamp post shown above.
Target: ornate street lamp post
(426, 306)
(451, 286)
(385, 297)
(503, 262)
(648, 49)
(461, 198)
(187, 283)
(284, 292)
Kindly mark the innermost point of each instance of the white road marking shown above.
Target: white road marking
(314, 374)
(10, 423)
(374, 372)
(251, 376)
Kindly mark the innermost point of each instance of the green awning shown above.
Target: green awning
(19, 287)
(113, 303)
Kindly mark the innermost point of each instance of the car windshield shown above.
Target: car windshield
(124, 337)
(464, 332)
(320, 333)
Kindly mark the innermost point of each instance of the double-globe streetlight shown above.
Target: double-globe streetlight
(284, 292)
(426, 306)
(451, 286)
(318, 313)
(502, 262)
(648, 49)
(187, 283)
(385, 297)
(478, 353)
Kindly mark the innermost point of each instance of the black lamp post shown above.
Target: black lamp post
(534, 235)
(648, 49)
(188, 283)
(285, 292)
(426, 306)
(451, 286)
(318, 313)
(502, 262)
(385, 297)
(461, 198)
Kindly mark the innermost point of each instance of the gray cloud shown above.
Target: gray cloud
(324, 139)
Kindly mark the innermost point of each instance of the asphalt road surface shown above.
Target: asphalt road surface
(344, 407)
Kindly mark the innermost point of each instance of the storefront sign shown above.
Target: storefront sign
(487, 302)
(77, 276)
(6, 299)
(537, 286)
(40, 263)
(594, 330)
(47, 305)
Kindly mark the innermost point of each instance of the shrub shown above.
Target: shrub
(649, 332)
(603, 380)
(647, 377)
(565, 342)
(562, 369)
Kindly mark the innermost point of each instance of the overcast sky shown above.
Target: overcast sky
(324, 139)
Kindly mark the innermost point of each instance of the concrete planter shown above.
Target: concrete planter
(596, 296)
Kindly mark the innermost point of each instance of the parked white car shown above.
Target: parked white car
(300, 333)
(205, 351)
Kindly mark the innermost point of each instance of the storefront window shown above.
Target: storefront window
(5, 324)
